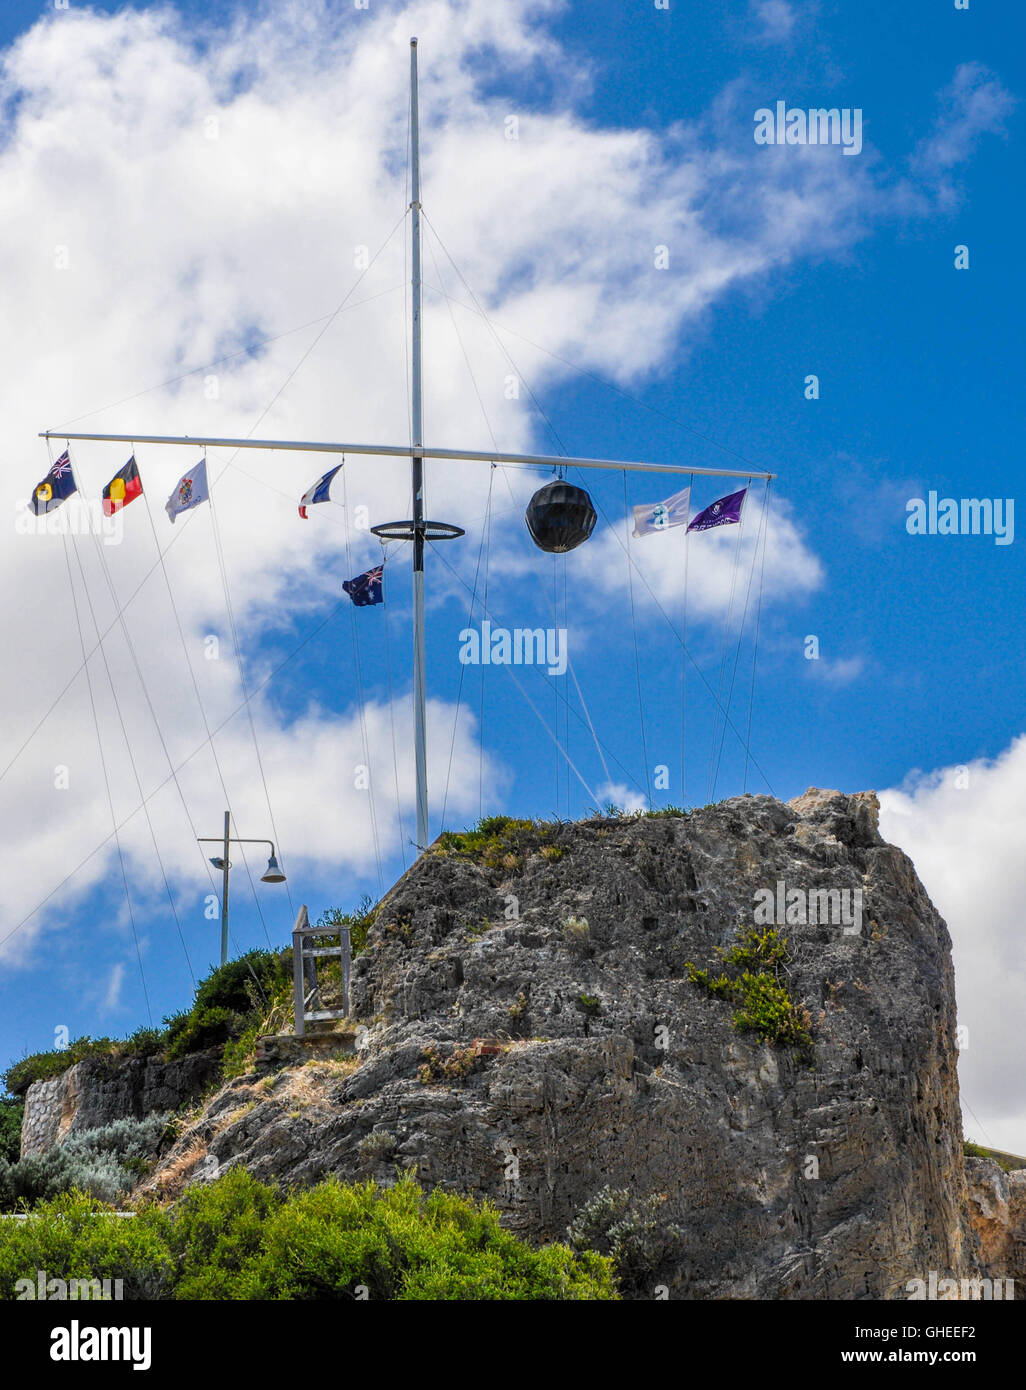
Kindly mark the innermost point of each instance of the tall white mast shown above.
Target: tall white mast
(417, 529)
(417, 425)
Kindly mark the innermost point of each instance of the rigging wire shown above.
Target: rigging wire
(634, 630)
(459, 691)
(602, 381)
(677, 636)
(587, 715)
(217, 362)
(615, 530)
(360, 695)
(684, 663)
(128, 742)
(492, 616)
(740, 637)
(106, 780)
(481, 707)
(486, 533)
(726, 645)
(186, 520)
(509, 670)
(241, 666)
(758, 618)
(502, 348)
(577, 686)
(555, 690)
(184, 763)
(206, 726)
(391, 709)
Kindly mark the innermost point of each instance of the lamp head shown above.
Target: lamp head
(274, 873)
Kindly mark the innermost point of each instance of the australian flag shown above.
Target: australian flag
(56, 487)
(366, 589)
(721, 512)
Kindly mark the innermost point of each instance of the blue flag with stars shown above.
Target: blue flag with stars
(56, 487)
(366, 589)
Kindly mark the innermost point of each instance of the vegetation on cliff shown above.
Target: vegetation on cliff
(762, 1002)
(232, 1006)
(105, 1163)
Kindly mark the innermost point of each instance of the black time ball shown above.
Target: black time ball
(560, 517)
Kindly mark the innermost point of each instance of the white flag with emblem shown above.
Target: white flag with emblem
(660, 516)
(190, 491)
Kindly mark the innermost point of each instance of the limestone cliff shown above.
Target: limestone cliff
(776, 1173)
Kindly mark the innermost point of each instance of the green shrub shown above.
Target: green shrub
(144, 1042)
(399, 1244)
(494, 841)
(104, 1163)
(762, 1002)
(44, 1066)
(630, 1230)
(216, 1230)
(359, 922)
(232, 998)
(74, 1237)
(205, 1028)
(11, 1111)
(236, 1238)
(244, 984)
(459, 1063)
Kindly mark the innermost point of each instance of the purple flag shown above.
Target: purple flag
(720, 512)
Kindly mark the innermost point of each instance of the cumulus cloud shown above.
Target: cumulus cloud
(725, 565)
(214, 197)
(775, 19)
(964, 828)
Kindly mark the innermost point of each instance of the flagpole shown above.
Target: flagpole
(417, 424)
(224, 890)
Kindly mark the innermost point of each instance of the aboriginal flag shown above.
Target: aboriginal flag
(124, 487)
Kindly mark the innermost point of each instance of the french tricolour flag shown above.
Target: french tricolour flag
(317, 493)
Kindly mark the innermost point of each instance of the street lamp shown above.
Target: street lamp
(272, 874)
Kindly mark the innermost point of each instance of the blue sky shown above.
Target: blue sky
(834, 266)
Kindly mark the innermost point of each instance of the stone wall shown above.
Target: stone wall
(99, 1090)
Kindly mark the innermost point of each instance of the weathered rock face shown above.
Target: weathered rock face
(840, 1179)
(98, 1090)
(997, 1210)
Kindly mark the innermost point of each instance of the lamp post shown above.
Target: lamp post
(272, 874)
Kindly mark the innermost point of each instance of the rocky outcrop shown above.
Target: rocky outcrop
(837, 1174)
(997, 1210)
(99, 1090)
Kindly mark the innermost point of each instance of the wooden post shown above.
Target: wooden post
(299, 969)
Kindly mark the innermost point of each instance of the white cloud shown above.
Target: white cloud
(975, 103)
(964, 828)
(776, 19)
(165, 202)
(620, 795)
(112, 998)
(838, 671)
(721, 562)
